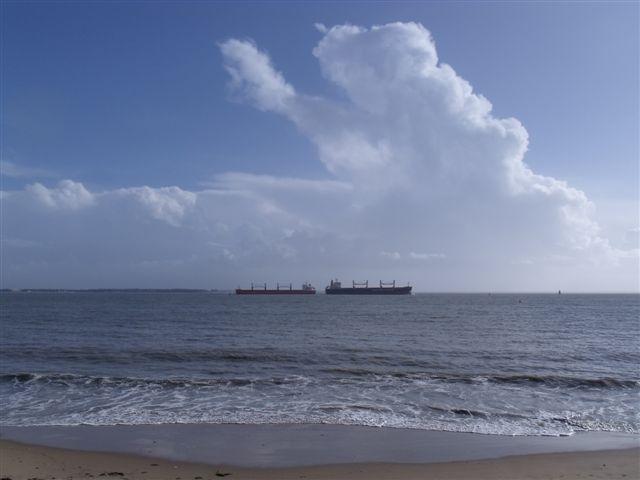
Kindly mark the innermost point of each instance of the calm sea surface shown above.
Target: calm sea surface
(502, 364)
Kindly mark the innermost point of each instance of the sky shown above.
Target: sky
(459, 146)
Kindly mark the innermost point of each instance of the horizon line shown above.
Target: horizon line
(224, 290)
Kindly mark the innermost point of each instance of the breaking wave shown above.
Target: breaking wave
(348, 396)
(550, 381)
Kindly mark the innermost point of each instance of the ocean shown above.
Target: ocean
(528, 364)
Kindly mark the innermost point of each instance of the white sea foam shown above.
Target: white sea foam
(390, 401)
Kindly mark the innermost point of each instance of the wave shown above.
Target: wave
(108, 400)
(552, 381)
(354, 407)
(132, 357)
(360, 414)
(68, 379)
(547, 380)
(560, 381)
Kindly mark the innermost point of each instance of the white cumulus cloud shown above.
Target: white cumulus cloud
(252, 73)
(168, 203)
(66, 195)
(415, 138)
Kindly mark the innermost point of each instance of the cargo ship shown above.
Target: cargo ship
(363, 288)
(262, 289)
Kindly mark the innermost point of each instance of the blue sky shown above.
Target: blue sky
(119, 94)
(126, 94)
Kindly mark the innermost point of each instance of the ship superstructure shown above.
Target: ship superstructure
(286, 289)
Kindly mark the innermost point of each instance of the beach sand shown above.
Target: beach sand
(23, 462)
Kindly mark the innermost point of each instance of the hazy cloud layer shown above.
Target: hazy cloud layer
(426, 185)
(12, 170)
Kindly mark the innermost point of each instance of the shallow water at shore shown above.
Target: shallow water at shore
(299, 445)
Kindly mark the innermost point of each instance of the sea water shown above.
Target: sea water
(495, 364)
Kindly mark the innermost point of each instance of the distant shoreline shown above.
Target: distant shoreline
(113, 290)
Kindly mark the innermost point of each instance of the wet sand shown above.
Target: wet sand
(181, 452)
(24, 462)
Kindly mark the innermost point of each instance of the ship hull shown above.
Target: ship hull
(240, 291)
(369, 291)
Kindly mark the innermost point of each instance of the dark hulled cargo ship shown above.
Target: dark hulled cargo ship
(262, 289)
(363, 288)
